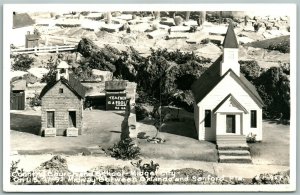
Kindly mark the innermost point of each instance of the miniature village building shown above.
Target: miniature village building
(226, 103)
(31, 40)
(62, 104)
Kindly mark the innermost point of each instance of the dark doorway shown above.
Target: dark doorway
(230, 123)
(72, 118)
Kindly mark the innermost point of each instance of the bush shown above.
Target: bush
(251, 138)
(85, 13)
(35, 101)
(140, 112)
(125, 149)
(22, 62)
(250, 69)
(205, 41)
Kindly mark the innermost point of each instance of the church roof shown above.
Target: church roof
(73, 84)
(230, 40)
(211, 77)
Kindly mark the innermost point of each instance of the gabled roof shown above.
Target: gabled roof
(32, 37)
(22, 20)
(230, 40)
(19, 85)
(211, 77)
(234, 100)
(73, 84)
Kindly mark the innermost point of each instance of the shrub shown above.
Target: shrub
(251, 138)
(125, 149)
(250, 69)
(35, 101)
(205, 41)
(22, 62)
(140, 112)
(85, 13)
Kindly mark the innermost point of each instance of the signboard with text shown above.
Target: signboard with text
(115, 100)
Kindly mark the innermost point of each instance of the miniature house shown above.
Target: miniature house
(226, 103)
(62, 104)
(31, 40)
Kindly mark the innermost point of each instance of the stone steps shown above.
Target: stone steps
(234, 153)
(235, 159)
(233, 149)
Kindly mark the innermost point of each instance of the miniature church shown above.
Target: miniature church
(226, 103)
(62, 104)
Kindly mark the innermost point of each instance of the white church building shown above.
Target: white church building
(226, 103)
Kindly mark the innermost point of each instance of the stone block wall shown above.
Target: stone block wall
(61, 104)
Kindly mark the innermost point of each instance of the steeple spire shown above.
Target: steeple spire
(230, 53)
(230, 40)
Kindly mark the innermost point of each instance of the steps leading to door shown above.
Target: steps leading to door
(233, 149)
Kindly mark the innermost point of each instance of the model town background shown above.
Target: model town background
(158, 55)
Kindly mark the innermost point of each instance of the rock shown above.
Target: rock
(167, 21)
(190, 23)
(177, 36)
(126, 17)
(141, 27)
(112, 27)
(243, 40)
(180, 28)
(157, 34)
(104, 75)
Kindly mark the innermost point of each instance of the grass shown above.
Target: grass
(281, 44)
(274, 149)
(181, 143)
(103, 128)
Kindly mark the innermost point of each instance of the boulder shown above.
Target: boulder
(157, 34)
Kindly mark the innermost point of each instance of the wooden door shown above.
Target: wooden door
(17, 101)
(230, 123)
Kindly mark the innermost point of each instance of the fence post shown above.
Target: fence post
(46, 41)
(35, 49)
(64, 41)
(56, 48)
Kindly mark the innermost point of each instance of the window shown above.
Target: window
(72, 118)
(207, 119)
(62, 70)
(61, 90)
(50, 119)
(253, 119)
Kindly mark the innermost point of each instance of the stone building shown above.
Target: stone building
(62, 104)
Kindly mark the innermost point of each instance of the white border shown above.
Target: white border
(7, 26)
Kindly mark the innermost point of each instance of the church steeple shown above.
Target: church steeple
(230, 52)
(62, 70)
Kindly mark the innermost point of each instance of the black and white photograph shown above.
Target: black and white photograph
(113, 97)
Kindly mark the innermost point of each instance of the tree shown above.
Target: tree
(274, 88)
(22, 62)
(51, 75)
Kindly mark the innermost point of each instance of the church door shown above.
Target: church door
(230, 123)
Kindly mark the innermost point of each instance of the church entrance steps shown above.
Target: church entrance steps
(233, 149)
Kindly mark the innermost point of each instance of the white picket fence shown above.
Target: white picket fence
(45, 49)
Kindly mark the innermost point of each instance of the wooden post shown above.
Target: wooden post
(64, 41)
(46, 41)
(35, 49)
(56, 48)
